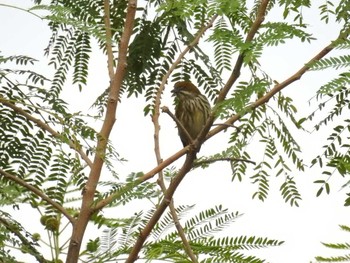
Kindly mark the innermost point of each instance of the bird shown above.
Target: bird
(192, 109)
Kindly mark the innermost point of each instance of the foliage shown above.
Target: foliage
(49, 155)
(164, 243)
(338, 247)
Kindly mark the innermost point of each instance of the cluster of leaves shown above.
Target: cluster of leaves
(334, 98)
(30, 150)
(279, 150)
(345, 246)
(201, 230)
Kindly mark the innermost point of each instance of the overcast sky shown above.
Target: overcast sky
(302, 228)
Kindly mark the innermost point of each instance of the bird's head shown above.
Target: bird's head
(185, 90)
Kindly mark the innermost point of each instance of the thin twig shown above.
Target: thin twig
(23, 9)
(13, 228)
(77, 147)
(39, 193)
(226, 125)
(133, 255)
(178, 225)
(170, 191)
(279, 86)
(199, 34)
(229, 159)
(178, 123)
(109, 50)
(165, 78)
(236, 72)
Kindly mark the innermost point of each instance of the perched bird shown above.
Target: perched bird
(192, 110)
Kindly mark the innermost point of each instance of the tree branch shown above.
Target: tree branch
(239, 62)
(37, 192)
(178, 225)
(47, 128)
(278, 87)
(102, 138)
(178, 123)
(161, 207)
(109, 50)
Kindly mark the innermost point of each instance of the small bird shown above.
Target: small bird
(192, 110)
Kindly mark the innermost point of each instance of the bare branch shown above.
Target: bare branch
(178, 123)
(109, 50)
(37, 192)
(178, 226)
(226, 125)
(46, 127)
(195, 41)
(161, 207)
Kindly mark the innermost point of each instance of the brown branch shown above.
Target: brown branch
(101, 204)
(47, 128)
(178, 123)
(102, 138)
(161, 207)
(178, 225)
(277, 88)
(109, 50)
(235, 73)
(239, 62)
(226, 125)
(39, 193)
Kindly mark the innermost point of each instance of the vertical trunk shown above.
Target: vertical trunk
(87, 210)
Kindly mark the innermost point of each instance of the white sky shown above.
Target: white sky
(302, 228)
